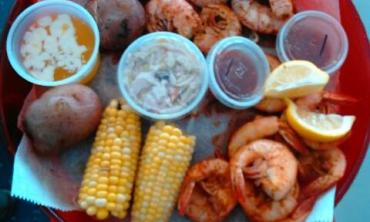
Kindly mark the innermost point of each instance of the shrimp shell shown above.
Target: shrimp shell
(279, 174)
(271, 105)
(206, 193)
(259, 207)
(274, 61)
(173, 16)
(257, 17)
(282, 8)
(254, 130)
(331, 164)
(219, 21)
(202, 3)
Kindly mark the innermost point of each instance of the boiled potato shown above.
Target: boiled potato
(62, 117)
(119, 21)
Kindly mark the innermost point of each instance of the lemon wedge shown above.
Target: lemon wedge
(295, 79)
(317, 126)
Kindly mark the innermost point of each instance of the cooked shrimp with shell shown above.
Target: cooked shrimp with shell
(219, 21)
(323, 169)
(173, 16)
(264, 177)
(261, 18)
(202, 3)
(206, 193)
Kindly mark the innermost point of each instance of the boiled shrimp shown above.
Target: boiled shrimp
(174, 16)
(219, 21)
(263, 127)
(206, 193)
(324, 101)
(282, 8)
(202, 3)
(269, 163)
(271, 105)
(254, 130)
(324, 145)
(302, 211)
(273, 193)
(274, 62)
(326, 167)
(257, 17)
(291, 137)
(259, 207)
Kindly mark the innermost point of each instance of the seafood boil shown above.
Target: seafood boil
(277, 156)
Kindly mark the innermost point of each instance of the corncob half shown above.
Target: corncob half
(110, 171)
(164, 160)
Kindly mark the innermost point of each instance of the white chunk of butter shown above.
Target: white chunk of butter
(51, 44)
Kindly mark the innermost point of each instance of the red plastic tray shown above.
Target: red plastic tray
(354, 81)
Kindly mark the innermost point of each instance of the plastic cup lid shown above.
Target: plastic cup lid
(314, 36)
(254, 61)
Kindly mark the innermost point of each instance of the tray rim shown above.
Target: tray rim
(18, 5)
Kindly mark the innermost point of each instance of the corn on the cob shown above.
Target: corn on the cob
(163, 163)
(110, 171)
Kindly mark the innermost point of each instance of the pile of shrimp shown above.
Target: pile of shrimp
(208, 21)
(272, 172)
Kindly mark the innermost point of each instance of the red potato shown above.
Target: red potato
(119, 21)
(62, 117)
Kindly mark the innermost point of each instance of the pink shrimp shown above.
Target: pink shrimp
(272, 193)
(206, 193)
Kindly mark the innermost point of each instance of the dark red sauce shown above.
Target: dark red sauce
(236, 73)
(315, 41)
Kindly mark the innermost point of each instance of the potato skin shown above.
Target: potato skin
(62, 117)
(119, 21)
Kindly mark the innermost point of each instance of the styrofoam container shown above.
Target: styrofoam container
(183, 43)
(28, 16)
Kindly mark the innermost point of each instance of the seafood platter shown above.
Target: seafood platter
(185, 110)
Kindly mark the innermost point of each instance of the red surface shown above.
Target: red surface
(328, 6)
(353, 81)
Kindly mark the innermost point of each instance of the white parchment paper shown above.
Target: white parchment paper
(54, 182)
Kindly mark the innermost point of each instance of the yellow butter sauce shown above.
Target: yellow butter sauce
(85, 36)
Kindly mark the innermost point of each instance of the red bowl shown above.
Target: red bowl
(353, 80)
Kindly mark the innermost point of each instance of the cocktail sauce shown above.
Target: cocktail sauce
(236, 73)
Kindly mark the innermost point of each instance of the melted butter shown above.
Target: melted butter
(85, 36)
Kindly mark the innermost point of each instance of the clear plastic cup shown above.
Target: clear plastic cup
(241, 86)
(43, 8)
(314, 36)
(181, 43)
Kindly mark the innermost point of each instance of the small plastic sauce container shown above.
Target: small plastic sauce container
(314, 36)
(53, 9)
(238, 69)
(162, 76)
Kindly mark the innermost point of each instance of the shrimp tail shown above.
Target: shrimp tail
(292, 138)
(338, 97)
(185, 196)
(303, 209)
(331, 102)
(238, 184)
(317, 188)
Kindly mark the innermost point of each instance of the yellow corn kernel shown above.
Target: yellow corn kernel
(105, 190)
(164, 160)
